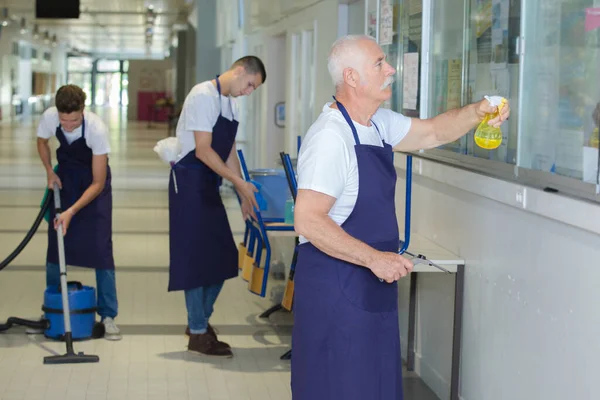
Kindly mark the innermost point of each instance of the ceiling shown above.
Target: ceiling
(107, 28)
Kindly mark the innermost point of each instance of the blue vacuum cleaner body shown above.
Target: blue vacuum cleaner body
(82, 304)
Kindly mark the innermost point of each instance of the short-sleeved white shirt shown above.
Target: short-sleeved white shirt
(327, 160)
(200, 112)
(96, 132)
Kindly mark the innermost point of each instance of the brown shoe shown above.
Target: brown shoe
(208, 345)
(211, 331)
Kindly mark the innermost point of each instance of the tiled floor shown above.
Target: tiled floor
(151, 361)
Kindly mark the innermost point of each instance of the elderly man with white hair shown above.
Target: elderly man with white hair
(346, 335)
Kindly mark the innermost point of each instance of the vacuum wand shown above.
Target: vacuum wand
(70, 357)
(421, 259)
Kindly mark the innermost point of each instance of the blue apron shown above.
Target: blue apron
(346, 337)
(202, 249)
(88, 242)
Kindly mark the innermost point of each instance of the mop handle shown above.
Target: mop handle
(62, 263)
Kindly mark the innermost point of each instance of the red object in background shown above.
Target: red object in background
(147, 109)
(592, 19)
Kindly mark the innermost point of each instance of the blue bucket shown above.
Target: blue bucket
(274, 189)
(82, 304)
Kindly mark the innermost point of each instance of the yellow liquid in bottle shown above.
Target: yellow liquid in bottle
(486, 136)
(488, 144)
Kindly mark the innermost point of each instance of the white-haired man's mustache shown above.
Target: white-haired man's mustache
(387, 82)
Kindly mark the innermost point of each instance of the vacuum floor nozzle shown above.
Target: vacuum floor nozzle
(71, 357)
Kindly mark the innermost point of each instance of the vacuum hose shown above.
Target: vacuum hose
(42, 324)
(32, 230)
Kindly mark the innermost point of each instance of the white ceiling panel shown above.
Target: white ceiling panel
(106, 27)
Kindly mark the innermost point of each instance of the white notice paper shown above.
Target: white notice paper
(386, 23)
(410, 81)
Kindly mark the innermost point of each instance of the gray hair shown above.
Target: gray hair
(344, 54)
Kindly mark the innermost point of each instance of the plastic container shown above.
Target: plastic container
(82, 303)
(274, 189)
(289, 211)
(486, 136)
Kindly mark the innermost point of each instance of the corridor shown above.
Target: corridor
(151, 362)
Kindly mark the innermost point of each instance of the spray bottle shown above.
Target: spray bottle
(486, 136)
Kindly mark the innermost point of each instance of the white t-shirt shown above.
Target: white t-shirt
(96, 132)
(200, 113)
(327, 160)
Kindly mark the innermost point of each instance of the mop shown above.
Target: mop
(70, 357)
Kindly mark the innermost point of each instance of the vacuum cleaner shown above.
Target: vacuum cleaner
(69, 308)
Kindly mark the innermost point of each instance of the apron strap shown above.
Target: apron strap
(220, 106)
(60, 136)
(349, 121)
(219, 90)
(380, 137)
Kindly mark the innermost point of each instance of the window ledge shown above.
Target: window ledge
(579, 213)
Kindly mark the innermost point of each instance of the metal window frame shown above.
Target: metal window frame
(547, 181)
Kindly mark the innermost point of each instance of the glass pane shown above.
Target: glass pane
(81, 64)
(447, 51)
(84, 81)
(405, 55)
(446, 55)
(482, 58)
(107, 89)
(562, 70)
(100, 96)
(372, 18)
(389, 40)
(109, 66)
(124, 93)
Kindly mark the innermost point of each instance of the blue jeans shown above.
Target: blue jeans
(200, 306)
(106, 288)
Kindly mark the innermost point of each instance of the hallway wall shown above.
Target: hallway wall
(17, 67)
(530, 326)
(147, 82)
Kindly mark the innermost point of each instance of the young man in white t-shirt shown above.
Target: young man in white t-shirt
(84, 178)
(203, 253)
(345, 297)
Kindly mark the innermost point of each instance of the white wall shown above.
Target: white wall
(23, 68)
(531, 329)
(208, 55)
(356, 18)
(272, 23)
(319, 16)
(274, 138)
(145, 76)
